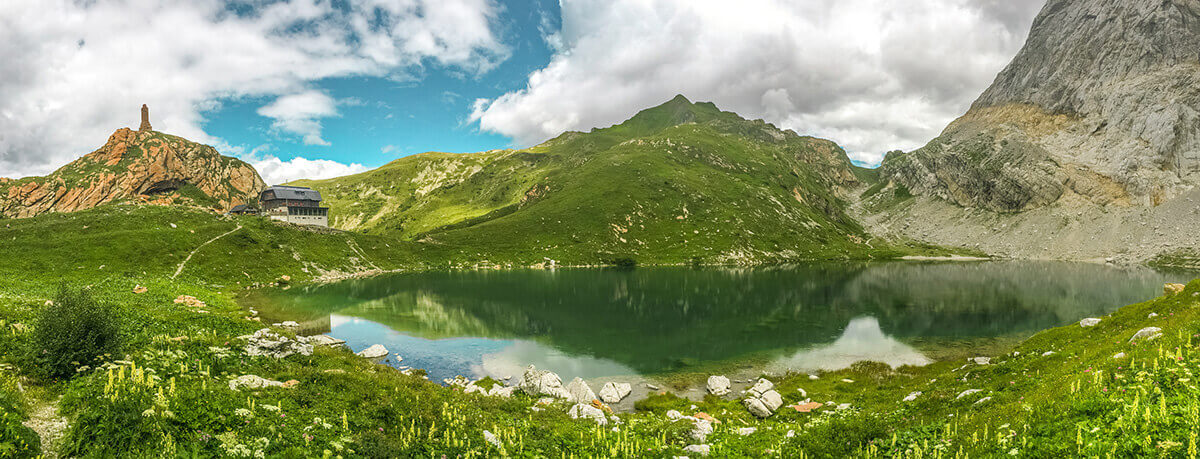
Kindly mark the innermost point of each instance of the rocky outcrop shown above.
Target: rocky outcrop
(141, 166)
(1103, 103)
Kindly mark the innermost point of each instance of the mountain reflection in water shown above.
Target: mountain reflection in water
(603, 322)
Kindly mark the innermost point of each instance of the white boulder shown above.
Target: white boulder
(763, 400)
(613, 392)
(1089, 322)
(374, 352)
(718, 385)
(587, 411)
(537, 382)
(580, 392)
(1147, 333)
(912, 396)
(252, 382)
(702, 450)
(982, 360)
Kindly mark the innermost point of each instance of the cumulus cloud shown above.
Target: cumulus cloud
(275, 171)
(873, 75)
(76, 70)
(301, 114)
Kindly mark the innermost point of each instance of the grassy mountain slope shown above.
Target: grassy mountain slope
(676, 183)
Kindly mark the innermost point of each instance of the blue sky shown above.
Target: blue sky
(321, 88)
(384, 119)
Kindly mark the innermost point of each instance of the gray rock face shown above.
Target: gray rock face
(613, 392)
(265, 342)
(1103, 103)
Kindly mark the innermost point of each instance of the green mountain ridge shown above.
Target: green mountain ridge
(680, 182)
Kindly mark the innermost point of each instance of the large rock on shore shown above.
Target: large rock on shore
(538, 382)
(580, 391)
(718, 385)
(762, 400)
(265, 342)
(613, 392)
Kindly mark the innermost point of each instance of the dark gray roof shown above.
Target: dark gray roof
(294, 192)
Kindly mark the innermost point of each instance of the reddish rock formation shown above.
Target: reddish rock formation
(139, 166)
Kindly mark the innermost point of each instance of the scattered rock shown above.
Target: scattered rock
(651, 387)
(290, 383)
(844, 406)
(1119, 355)
(718, 385)
(701, 429)
(189, 301)
(501, 391)
(290, 324)
(763, 400)
(805, 407)
(967, 392)
(803, 393)
(491, 439)
(587, 411)
(674, 414)
(1148, 333)
(265, 342)
(613, 392)
(982, 360)
(1152, 315)
(706, 417)
(1047, 353)
(1089, 322)
(744, 431)
(912, 396)
(982, 400)
(814, 377)
(848, 381)
(580, 392)
(537, 382)
(252, 382)
(1172, 288)
(702, 450)
(322, 340)
(139, 289)
(374, 352)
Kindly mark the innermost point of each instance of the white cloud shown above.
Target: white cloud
(74, 71)
(301, 114)
(275, 171)
(872, 75)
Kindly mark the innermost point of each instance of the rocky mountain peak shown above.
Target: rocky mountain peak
(1102, 104)
(1076, 47)
(141, 166)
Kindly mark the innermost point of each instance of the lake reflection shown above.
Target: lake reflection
(597, 323)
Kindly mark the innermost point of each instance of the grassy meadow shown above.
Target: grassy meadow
(163, 390)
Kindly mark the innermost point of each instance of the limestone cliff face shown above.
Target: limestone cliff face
(141, 166)
(1103, 103)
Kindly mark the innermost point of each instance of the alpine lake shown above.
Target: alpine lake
(673, 326)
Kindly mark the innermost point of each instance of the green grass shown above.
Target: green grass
(1077, 401)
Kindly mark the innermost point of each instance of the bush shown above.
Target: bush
(72, 332)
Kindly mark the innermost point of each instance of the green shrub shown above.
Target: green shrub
(71, 332)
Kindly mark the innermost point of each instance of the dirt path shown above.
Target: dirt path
(49, 426)
(197, 249)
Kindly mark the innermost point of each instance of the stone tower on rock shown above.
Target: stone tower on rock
(145, 120)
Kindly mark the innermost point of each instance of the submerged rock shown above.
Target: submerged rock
(613, 392)
(374, 352)
(322, 340)
(718, 385)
